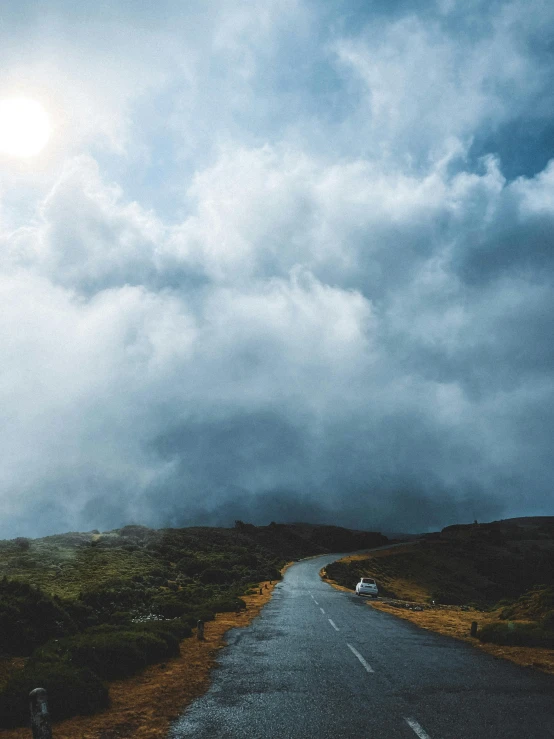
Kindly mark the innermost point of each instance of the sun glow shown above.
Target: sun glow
(24, 127)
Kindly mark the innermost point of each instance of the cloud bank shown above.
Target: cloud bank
(281, 262)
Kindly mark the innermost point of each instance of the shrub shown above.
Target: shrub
(190, 566)
(228, 605)
(546, 597)
(116, 654)
(29, 617)
(516, 634)
(214, 575)
(547, 621)
(113, 652)
(446, 597)
(204, 613)
(70, 691)
(176, 628)
(114, 596)
(22, 543)
(168, 605)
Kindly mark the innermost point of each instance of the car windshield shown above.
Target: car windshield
(367, 581)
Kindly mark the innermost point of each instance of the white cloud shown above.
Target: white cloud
(428, 88)
(350, 318)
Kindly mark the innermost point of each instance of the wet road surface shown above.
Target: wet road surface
(318, 662)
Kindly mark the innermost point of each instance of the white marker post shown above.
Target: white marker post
(40, 717)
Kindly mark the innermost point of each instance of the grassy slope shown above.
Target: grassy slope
(66, 564)
(479, 565)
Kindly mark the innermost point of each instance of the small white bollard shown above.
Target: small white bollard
(40, 717)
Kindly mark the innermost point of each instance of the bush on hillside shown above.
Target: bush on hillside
(533, 604)
(446, 597)
(516, 634)
(547, 621)
(29, 617)
(214, 575)
(228, 605)
(71, 691)
(168, 605)
(117, 595)
(110, 653)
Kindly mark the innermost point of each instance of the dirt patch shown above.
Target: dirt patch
(144, 706)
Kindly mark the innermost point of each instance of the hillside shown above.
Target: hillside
(69, 564)
(80, 609)
(501, 573)
(477, 564)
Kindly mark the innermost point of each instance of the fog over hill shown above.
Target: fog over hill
(279, 261)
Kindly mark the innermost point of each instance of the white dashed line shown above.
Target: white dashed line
(365, 665)
(333, 624)
(322, 611)
(416, 728)
(315, 601)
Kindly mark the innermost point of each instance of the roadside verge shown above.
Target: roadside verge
(455, 621)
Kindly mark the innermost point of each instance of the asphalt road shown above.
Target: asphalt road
(318, 662)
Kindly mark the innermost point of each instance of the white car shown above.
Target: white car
(367, 586)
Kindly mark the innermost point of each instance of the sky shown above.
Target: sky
(285, 261)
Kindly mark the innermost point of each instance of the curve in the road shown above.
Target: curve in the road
(318, 663)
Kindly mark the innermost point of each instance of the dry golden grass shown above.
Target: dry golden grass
(377, 553)
(145, 705)
(449, 620)
(457, 623)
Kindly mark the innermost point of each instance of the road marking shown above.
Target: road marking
(321, 609)
(362, 660)
(315, 601)
(417, 728)
(333, 624)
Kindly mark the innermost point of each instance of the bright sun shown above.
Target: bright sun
(24, 127)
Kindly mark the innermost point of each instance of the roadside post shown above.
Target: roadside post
(40, 717)
(200, 630)
(473, 631)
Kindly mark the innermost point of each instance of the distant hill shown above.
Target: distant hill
(530, 521)
(66, 564)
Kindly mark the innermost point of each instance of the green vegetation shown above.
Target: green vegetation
(71, 691)
(537, 603)
(88, 607)
(28, 617)
(517, 634)
(112, 652)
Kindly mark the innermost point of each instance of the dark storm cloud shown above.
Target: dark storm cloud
(274, 275)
